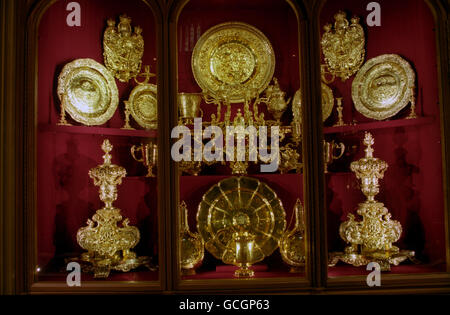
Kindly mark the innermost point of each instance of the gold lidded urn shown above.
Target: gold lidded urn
(108, 245)
(191, 244)
(292, 243)
(371, 238)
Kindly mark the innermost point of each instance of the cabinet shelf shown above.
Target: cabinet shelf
(379, 125)
(152, 133)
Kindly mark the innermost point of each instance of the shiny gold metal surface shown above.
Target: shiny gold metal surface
(191, 244)
(149, 156)
(88, 92)
(383, 86)
(277, 102)
(233, 56)
(189, 107)
(292, 243)
(108, 245)
(241, 221)
(371, 238)
(329, 152)
(123, 49)
(327, 104)
(343, 46)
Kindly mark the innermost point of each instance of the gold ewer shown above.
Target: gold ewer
(328, 152)
(292, 243)
(191, 245)
(149, 156)
(189, 107)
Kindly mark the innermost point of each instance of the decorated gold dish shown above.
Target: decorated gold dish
(241, 221)
(234, 56)
(327, 103)
(383, 86)
(88, 92)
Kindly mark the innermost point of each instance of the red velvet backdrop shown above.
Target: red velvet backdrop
(67, 196)
(412, 187)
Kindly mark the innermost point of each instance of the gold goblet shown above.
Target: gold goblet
(149, 156)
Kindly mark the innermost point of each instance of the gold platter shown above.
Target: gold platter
(143, 105)
(237, 207)
(383, 86)
(88, 91)
(233, 56)
(327, 103)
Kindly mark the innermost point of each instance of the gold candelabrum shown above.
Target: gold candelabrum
(149, 156)
(371, 238)
(243, 122)
(191, 245)
(292, 243)
(108, 245)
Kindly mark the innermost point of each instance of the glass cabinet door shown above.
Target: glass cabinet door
(97, 105)
(382, 139)
(241, 212)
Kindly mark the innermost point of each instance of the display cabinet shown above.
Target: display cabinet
(124, 164)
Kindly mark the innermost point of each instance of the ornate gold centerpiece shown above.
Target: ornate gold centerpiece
(292, 243)
(371, 238)
(191, 245)
(108, 245)
(123, 49)
(149, 156)
(343, 46)
(241, 221)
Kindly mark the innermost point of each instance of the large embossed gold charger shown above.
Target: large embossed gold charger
(233, 56)
(241, 214)
(88, 91)
(383, 86)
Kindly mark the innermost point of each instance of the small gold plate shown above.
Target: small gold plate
(383, 86)
(143, 105)
(234, 55)
(237, 203)
(89, 92)
(327, 103)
